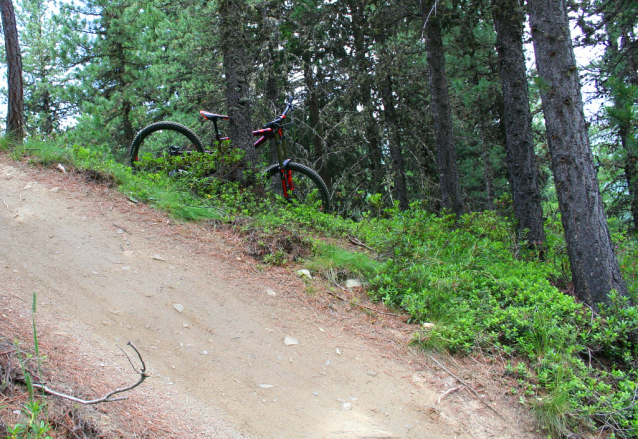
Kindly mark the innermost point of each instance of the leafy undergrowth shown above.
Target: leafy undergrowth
(476, 287)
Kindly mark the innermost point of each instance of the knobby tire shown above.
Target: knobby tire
(138, 142)
(312, 181)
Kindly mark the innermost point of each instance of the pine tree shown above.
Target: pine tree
(15, 109)
(595, 271)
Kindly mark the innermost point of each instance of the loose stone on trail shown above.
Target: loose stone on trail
(304, 273)
(288, 341)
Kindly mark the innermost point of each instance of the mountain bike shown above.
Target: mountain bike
(292, 181)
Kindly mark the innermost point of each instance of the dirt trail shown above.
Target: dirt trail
(108, 271)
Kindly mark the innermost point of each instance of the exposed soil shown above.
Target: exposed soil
(107, 270)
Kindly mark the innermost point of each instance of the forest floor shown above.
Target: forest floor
(212, 325)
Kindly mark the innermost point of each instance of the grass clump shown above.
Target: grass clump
(336, 263)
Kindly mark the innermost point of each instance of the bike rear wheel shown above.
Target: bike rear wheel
(308, 186)
(161, 140)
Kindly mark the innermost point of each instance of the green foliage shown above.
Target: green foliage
(33, 427)
(483, 293)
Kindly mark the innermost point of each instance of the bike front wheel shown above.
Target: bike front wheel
(307, 186)
(162, 140)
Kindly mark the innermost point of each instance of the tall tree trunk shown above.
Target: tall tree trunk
(488, 170)
(594, 266)
(451, 197)
(394, 144)
(315, 121)
(521, 161)
(363, 79)
(237, 69)
(15, 108)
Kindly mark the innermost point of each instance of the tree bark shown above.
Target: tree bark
(394, 144)
(594, 266)
(315, 120)
(15, 109)
(521, 160)
(237, 69)
(364, 79)
(451, 197)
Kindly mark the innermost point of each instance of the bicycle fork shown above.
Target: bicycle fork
(285, 173)
(286, 180)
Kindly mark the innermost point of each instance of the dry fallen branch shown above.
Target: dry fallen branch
(108, 396)
(469, 387)
(123, 229)
(356, 241)
(453, 389)
(5, 203)
(360, 305)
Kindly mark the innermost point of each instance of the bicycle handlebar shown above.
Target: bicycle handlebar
(289, 107)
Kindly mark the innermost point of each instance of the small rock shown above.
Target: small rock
(290, 341)
(338, 351)
(178, 307)
(55, 189)
(27, 187)
(346, 406)
(204, 352)
(428, 325)
(127, 268)
(61, 168)
(120, 231)
(271, 293)
(304, 273)
(266, 386)
(371, 373)
(16, 412)
(95, 272)
(353, 283)
(158, 257)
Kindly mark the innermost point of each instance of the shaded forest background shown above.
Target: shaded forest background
(359, 70)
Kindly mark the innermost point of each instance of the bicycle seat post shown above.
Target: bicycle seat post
(218, 135)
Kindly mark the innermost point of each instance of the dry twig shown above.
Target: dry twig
(469, 387)
(356, 241)
(369, 308)
(453, 389)
(108, 396)
(123, 229)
